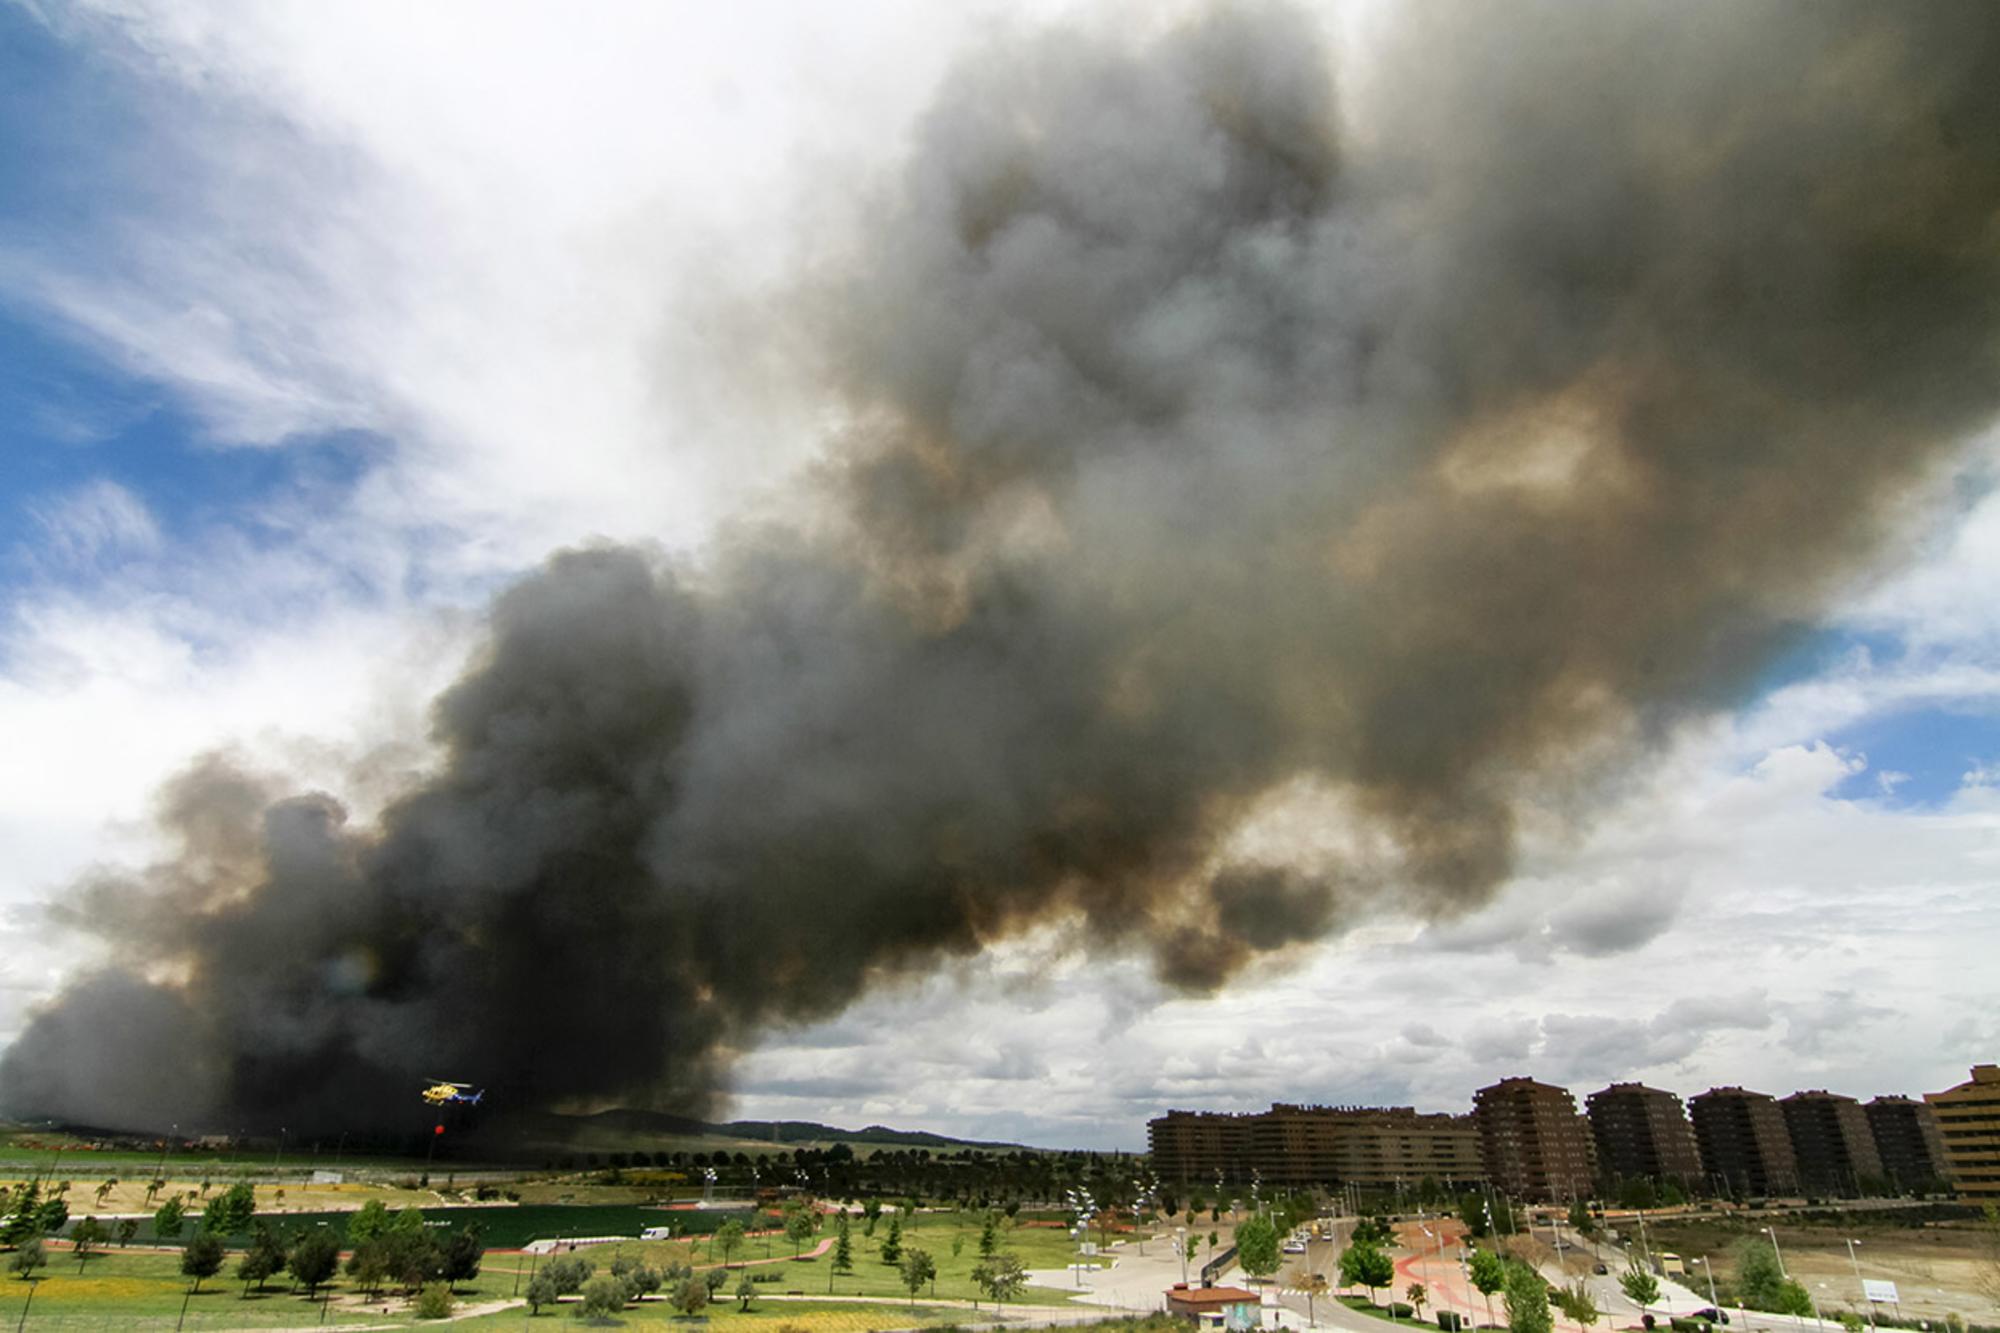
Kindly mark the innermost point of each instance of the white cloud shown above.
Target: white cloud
(98, 521)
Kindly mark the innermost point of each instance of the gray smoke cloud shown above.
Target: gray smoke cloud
(1205, 432)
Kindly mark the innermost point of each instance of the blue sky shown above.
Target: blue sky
(314, 329)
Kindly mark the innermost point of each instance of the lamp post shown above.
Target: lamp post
(1780, 1254)
(1702, 1259)
(166, 1146)
(1856, 1261)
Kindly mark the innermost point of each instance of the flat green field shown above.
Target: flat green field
(763, 1317)
(133, 1289)
(935, 1233)
(144, 1291)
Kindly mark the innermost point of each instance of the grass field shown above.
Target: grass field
(142, 1290)
(139, 1289)
(762, 1317)
(1037, 1247)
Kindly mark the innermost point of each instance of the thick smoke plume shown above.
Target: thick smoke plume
(1435, 447)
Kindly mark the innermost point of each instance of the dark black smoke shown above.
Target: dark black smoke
(1440, 446)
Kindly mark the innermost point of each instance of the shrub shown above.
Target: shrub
(1398, 1310)
(568, 1273)
(434, 1302)
(691, 1295)
(1450, 1321)
(603, 1295)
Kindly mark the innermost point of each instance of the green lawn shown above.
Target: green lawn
(145, 1290)
(1037, 1247)
(135, 1290)
(763, 1317)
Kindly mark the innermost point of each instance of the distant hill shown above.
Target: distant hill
(625, 1128)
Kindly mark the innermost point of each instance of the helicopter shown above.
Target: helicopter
(442, 1091)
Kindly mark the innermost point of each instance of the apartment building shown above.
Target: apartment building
(1744, 1141)
(1535, 1145)
(1641, 1131)
(1908, 1141)
(1317, 1145)
(1969, 1123)
(1831, 1142)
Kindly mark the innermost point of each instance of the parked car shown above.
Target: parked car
(1600, 1269)
(1712, 1315)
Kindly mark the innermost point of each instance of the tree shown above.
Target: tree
(1257, 1246)
(541, 1291)
(264, 1258)
(231, 1212)
(569, 1272)
(691, 1295)
(1365, 1266)
(843, 1250)
(1472, 1212)
(168, 1221)
(870, 1210)
(1000, 1276)
(746, 1292)
(84, 1237)
(1488, 1275)
(1761, 1283)
(202, 1258)
(1581, 1221)
(25, 1220)
(637, 1275)
(462, 1253)
(410, 1255)
(918, 1268)
(603, 1296)
(128, 1227)
(110, 1183)
(369, 1264)
(368, 1222)
(1640, 1287)
(800, 1224)
(1418, 1296)
(1527, 1301)
(729, 1237)
(314, 1257)
(1576, 1301)
(989, 1237)
(29, 1257)
(52, 1215)
(892, 1243)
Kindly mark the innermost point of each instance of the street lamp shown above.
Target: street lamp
(166, 1146)
(1780, 1254)
(1702, 1259)
(1856, 1261)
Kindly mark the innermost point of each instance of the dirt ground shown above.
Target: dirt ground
(129, 1196)
(1937, 1269)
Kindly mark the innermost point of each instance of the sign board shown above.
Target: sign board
(328, 1178)
(1880, 1292)
(1090, 1249)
